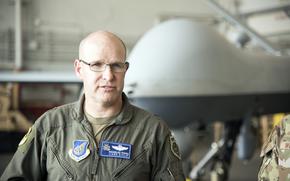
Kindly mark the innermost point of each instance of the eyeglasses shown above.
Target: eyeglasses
(100, 66)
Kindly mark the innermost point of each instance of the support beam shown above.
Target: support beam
(234, 20)
(18, 35)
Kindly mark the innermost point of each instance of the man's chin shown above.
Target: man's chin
(108, 100)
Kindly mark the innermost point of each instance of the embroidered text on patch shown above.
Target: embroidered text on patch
(115, 150)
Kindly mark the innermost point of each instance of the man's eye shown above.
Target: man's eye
(98, 64)
(117, 65)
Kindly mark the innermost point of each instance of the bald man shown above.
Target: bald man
(102, 136)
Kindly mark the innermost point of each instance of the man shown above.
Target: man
(101, 137)
(276, 154)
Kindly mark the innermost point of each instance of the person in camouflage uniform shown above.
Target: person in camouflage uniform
(276, 154)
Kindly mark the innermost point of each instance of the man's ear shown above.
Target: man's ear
(127, 66)
(78, 68)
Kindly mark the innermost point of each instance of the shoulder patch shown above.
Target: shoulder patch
(285, 143)
(285, 125)
(25, 138)
(174, 147)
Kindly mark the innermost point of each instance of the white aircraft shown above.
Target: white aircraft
(188, 73)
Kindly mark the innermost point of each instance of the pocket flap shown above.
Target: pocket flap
(270, 143)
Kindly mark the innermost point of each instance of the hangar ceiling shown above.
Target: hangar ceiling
(52, 29)
(269, 20)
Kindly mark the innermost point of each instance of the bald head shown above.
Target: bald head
(101, 42)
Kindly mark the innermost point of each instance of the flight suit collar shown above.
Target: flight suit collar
(126, 112)
(123, 118)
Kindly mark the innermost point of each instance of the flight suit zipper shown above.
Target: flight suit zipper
(95, 166)
(95, 154)
(98, 149)
(95, 157)
(171, 175)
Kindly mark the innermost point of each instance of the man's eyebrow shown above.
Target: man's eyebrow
(103, 61)
(98, 61)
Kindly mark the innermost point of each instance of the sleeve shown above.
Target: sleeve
(27, 163)
(167, 165)
(269, 166)
(276, 153)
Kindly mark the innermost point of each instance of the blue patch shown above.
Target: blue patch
(80, 150)
(115, 150)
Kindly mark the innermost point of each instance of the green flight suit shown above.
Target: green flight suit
(48, 152)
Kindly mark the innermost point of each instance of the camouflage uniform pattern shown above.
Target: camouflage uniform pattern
(276, 154)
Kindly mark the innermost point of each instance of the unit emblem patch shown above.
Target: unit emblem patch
(174, 147)
(80, 150)
(25, 138)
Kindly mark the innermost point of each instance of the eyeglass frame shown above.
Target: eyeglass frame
(124, 64)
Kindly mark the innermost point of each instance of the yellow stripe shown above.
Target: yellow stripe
(277, 118)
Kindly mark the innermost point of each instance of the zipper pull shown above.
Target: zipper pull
(170, 173)
(93, 177)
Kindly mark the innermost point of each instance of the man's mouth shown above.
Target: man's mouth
(108, 88)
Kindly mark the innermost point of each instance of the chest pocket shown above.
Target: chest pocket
(137, 169)
(167, 176)
(284, 158)
(66, 171)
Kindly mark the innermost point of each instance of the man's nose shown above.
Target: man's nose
(108, 73)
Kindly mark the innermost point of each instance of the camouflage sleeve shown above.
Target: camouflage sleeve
(269, 168)
(276, 154)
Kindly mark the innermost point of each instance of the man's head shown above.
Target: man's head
(101, 66)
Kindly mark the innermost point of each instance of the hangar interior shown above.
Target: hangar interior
(39, 36)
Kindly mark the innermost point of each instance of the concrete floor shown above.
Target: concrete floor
(245, 171)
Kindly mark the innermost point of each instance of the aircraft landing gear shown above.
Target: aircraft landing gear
(219, 155)
(219, 171)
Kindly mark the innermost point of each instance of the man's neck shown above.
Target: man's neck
(100, 110)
